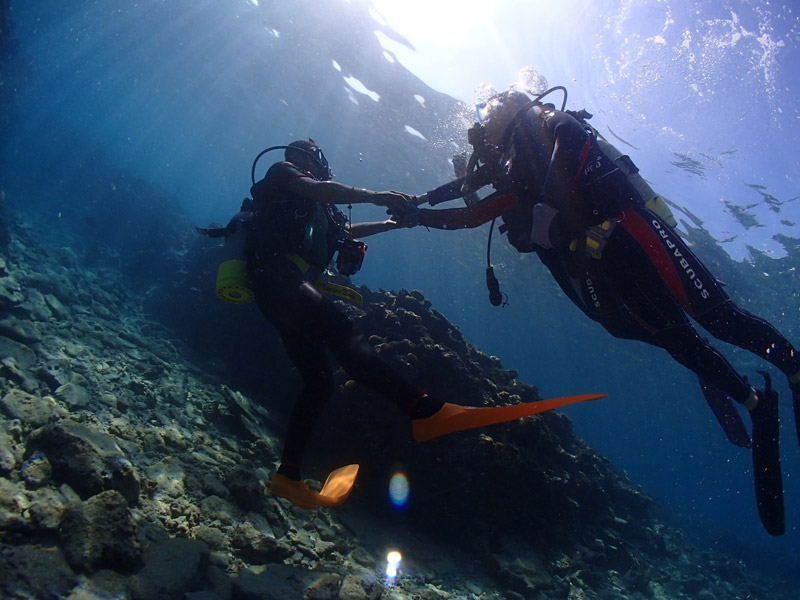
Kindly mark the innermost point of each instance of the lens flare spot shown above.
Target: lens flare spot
(393, 564)
(399, 489)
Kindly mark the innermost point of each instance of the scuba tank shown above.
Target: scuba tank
(233, 284)
(649, 197)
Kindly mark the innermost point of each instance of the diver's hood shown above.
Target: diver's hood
(309, 157)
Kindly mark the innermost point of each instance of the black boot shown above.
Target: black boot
(767, 459)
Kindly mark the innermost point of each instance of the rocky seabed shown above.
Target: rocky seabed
(127, 472)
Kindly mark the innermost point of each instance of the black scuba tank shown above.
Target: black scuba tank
(648, 197)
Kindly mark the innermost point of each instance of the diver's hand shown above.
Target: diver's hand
(409, 219)
(460, 162)
(421, 199)
(397, 203)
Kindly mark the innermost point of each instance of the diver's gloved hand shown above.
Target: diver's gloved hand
(409, 219)
(397, 203)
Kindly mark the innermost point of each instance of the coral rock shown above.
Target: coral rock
(88, 460)
(100, 532)
(173, 568)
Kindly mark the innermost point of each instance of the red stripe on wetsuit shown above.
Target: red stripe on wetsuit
(653, 245)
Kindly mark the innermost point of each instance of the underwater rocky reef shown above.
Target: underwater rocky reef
(141, 420)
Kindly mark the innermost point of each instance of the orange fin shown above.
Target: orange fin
(337, 488)
(340, 483)
(452, 417)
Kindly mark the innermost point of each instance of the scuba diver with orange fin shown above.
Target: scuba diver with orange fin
(276, 250)
(609, 241)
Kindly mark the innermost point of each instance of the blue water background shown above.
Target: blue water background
(184, 94)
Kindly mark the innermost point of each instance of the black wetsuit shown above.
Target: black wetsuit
(645, 280)
(313, 330)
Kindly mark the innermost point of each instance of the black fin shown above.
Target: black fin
(796, 405)
(727, 415)
(767, 459)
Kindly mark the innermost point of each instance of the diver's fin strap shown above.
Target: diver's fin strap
(597, 237)
(453, 417)
(334, 492)
(340, 291)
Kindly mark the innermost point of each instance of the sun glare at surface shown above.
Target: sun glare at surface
(460, 45)
(447, 35)
(445, 20)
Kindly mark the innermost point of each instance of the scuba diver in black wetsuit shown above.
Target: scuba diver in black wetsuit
(291, 230)
(296, 231)
(608, 240)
